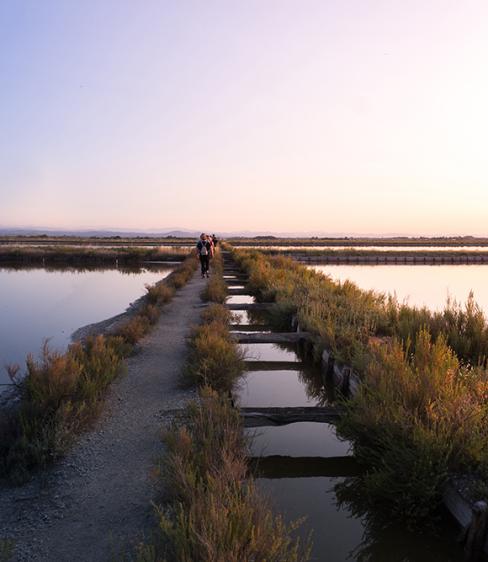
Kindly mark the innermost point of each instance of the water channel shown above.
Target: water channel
(39, 303)
(306, 468)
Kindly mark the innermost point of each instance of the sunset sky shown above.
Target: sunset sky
(334, 116)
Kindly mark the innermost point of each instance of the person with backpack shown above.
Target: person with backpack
(203, 250)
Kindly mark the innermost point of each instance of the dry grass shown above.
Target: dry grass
(78, 255)
(216, 289)
(422, 413)
(61, 393)
(217, 513)
(214, 357)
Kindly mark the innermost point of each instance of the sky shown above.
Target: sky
(342, 116)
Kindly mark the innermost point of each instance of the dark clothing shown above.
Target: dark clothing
(203, 249)
(204, 263)
(215, 240)
(201, 244)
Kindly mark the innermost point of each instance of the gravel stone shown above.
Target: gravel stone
(97, 500)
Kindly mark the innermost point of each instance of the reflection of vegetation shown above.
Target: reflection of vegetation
(96, 240)
(60, 394)
(62, 268)
(387, 541)
(421, 412)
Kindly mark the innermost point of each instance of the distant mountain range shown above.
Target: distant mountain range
(176, 232)
(102, 233)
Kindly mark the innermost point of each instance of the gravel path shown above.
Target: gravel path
(96, 501)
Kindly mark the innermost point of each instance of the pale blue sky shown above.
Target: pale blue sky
(344, 116)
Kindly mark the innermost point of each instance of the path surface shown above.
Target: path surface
(97, 500)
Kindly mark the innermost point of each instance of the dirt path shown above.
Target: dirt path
(97, 500)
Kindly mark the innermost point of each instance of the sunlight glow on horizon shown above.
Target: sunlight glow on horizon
(361, 117)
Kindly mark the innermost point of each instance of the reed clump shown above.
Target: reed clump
(60, 394)
(84, 254)
(214, 358)
(420, 415)
(216, 289)
(345, 317)
(217, 514)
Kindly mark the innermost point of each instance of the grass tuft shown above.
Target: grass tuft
(217, 515)
(61, 393)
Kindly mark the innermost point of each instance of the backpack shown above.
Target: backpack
(203, 248)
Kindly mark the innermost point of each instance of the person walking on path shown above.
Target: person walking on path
(203, 249)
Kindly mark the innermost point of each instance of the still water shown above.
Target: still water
(275, 388)
(417, 285)
(306, 470)
(38, 303)
(374, 248)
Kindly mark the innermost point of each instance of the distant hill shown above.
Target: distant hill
(176, 232)
(99, 233)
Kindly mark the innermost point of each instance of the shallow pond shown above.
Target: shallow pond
(418, 285)
(37, 303)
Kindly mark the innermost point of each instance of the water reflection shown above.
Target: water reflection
(419, 285)
(268, 352)
(38, 303)
(335, 533)
(383, 541)
(128, 269)
(274, 388)
(240, 299)
(303, 439)
(373, 248)
(340, 532)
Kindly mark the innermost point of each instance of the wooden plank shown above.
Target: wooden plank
(250, 306)
(261, 417)
(273, 337)
(274, 365)
(278, 466)
(457, 506)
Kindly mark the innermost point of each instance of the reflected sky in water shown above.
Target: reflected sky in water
(304, 439)
(274, 388)
(375, 248)
(267, 352)
(240, 299)
(36, 304)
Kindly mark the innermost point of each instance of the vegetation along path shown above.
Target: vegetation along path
(96, 501)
